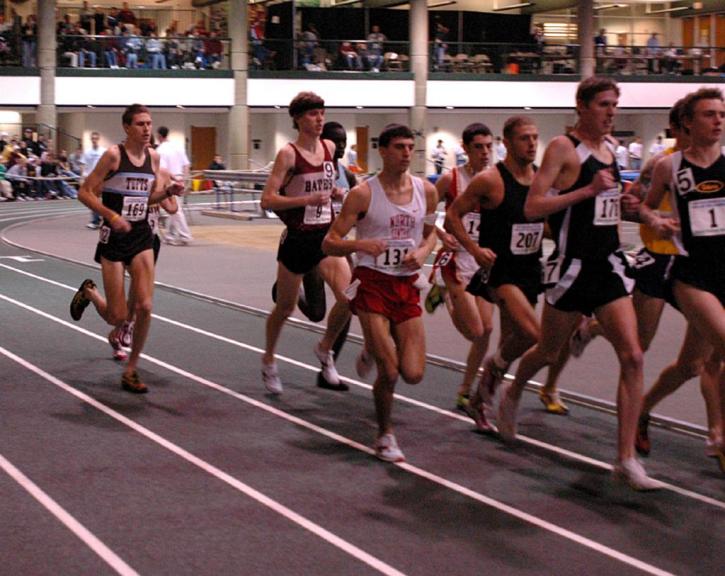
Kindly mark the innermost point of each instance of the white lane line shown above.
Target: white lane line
(10, 217)
(85, 535)
(412, 401)
(524, 516)
(212, 470)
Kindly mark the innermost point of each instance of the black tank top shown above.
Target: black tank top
(126, 189)
(588, 230)
(505, 229)
(700, 202)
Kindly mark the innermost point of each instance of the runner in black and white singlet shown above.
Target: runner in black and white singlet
(578, 180)
(299, 190)
(394, 214)
(121, 187)
(509, 249)
(695, 179)
(454, 266)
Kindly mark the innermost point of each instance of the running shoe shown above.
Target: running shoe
(632, 472)
(462, 402)
(79, 302)
(270, 378)
(641, 441)
(114, 340)
(581, 337)
(126, 333)
(132, 383)
(553, 403)
(477, 409)
(491, 378)
(327, 361)
(325, 385)
(386, 449)
(434, 298)
(506, 419)
(364, 363)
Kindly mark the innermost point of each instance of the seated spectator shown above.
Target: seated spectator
(670, 59)
(87, 49)
(66, 188)
(6, 189)
(214, 50)
(16, 175)
(111, 51)
(75, 161)
(375, 48)
(350, 57)
(173, 50)
(132, 45)
(309, 41)
(155, 47)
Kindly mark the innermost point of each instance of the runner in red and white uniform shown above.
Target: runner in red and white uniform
(471, 314)
(394, 213)
(300, 190)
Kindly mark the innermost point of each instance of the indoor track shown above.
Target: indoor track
(207, 474)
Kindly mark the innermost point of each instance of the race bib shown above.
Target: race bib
(134, 208)
(551, 271)
(472, 224)
(526, 238)
(685, 181)
(104, 233)
(153, 218)
(606, 208)
(318, 214)
(642, 260)
(707, 217)
(395, 252)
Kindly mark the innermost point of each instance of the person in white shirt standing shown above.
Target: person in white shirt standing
(635, 154)
(657, 147)
(88, 161)
(622, 155)
(176, 162)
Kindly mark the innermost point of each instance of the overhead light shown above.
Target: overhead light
(514, 6)
(277, 107)
(608, 6)
(179, 106)
(442, 3)
(676, 9)
(359, 107)
(527, 107)
(450, 107)
(345, 2)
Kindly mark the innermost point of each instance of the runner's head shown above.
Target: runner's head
(702, 114)
(477, 142)
(335, 132)
(309, 109)
(521, 137)
(136, 121)
(596, 103)
(395, 145)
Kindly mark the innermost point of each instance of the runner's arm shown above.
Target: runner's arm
(354, 207)
(271, 198)
(663, 227)
(90, 191)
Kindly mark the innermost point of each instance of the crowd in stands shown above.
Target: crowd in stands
(117, 39)
(30, 170)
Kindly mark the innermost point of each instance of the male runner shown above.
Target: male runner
(120, 188)
(299, 190)
(508, 251)
(394, 213)
(695, 179)
(471, 314)
(577, 187)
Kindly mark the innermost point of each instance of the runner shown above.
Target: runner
(299, 190)
(120, 188)
(577, 187)
(508, 251)
(391, 212)
(695, 179)
(454, 264)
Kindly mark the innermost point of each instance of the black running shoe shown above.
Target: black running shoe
(79, 302)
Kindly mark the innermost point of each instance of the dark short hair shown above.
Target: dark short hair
(131, 111)
(163, 131)
(329, 129)
(690, 101)
(394, 131)
(303, 102)
(473, 130)
(513, 123)
(675, 113)
(590, 87)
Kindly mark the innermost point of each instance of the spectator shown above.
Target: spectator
(75, 161)
(635, 154)
(260, 53)
(111, 50)
(375, 47)
(600, 40)
(85, 18)
(217, 163)
(126, 16)
(173, 158)
(499, 149)
(6, 189)
(622, 155)
(439, 157)
(132, 45)
(310, 41)
(87, 49)
(214, 50)
(460, 155)
(174, 51)
(657, 147)
(16, 175)
(349, 58)
(653, 53)
(352, 164)
(4, 141)
(113, 21)
(29, 35)
(99, 21)
(439, 46)
(90, 159)
(670, 59)
(155, 50)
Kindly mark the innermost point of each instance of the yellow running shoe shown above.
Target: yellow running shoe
(553, 403)
(434, 298)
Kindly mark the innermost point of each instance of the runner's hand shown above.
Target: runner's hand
(373, 246)
(666, 227)
(318, 199)
(176, 186)
(414, 259)
(603, 180)
(485, 257)
(120, 225)
(449, 241)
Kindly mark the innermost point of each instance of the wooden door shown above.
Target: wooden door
(203, 146)
(361, 140)
(688, 32)
(720, 39)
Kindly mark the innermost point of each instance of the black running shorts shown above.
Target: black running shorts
(301, 251)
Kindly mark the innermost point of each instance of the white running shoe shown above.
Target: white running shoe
(386, 449)
(270, 378)
(327, 361)
(126, 333)
(364, 363)
(632, 472)
(506, 419)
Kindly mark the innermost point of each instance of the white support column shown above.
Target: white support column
(46, 113)
(587, 62)
(238, 128)
(419, 66)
